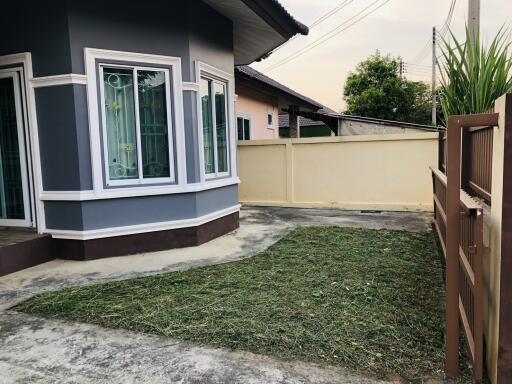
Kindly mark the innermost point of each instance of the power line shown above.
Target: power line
(329, 35)
(318, 21)
(418, 65)
(446, 26)
(332, 12)
(423, 53)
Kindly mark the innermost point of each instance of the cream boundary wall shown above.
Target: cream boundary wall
(492, 243)
(255, 106)
(383, 172)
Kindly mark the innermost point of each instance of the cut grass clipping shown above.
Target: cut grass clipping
(364, 299)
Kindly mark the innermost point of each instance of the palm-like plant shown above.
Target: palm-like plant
(473, 76)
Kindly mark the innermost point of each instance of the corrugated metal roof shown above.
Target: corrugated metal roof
(247, 71)
(284, 122)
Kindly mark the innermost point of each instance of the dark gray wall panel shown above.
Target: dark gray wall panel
(111, 213)
(211, 38)
(63, 215)
(216, 199)
(191, 136)
(159, 29)
(58, 139)
(138, 210)
(39, 27)
(82, 137)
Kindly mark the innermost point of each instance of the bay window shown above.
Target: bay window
(137, 124)
(213, 95)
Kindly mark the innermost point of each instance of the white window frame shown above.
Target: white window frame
(216, 174)
(209, 72)
(271, 126)
(16, 74)
(244, 116)
(170, 114)
(101, 186)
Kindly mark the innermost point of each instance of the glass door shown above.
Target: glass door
(14, 196)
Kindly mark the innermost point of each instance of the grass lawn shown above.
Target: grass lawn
(364, 299)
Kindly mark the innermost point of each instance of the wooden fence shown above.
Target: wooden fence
(466, 157)
(470, 264)
(476, 171)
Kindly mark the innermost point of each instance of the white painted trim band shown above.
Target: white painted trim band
(135, 192)
(343, 139)
(189, 86)
(52, 81)
(141, 228)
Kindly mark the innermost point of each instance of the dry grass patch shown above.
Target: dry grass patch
(365, 299)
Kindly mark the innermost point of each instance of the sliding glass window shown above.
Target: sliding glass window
(215, 127)
(137, 125)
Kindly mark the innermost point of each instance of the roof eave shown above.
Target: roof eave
(282, 93)
(277, 17)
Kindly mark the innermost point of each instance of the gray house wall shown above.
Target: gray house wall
(111, 213)
(64, 138)
(39, 27)
(56, 34)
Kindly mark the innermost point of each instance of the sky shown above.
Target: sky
(399, 28)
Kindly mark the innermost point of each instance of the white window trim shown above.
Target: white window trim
(109, 58)
(17, 78)
(216, 174)
(208, 71)
(271, 126)
(244, 116)
(170, 131)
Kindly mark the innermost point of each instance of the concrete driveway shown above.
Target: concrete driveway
(36, 350)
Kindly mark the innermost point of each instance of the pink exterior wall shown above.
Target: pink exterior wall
(256, 105)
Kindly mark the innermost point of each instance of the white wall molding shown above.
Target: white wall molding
(141, 228)
(190, 87)
(52, 81)
(115, 193)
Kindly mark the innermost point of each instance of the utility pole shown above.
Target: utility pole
(434, 67)
(401, 68)
(474, 18)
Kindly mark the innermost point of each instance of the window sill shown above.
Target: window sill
(117, 193)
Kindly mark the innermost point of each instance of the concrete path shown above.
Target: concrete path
(42, 351)
(35, 350)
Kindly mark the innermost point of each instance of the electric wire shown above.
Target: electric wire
(329, 35)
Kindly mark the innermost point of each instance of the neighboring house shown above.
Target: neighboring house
(265, 108)
(117, 120)
(260, 102)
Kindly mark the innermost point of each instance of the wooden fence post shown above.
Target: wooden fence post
(453, 169)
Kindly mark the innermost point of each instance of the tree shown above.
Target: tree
(377, 90)
(473, 76)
